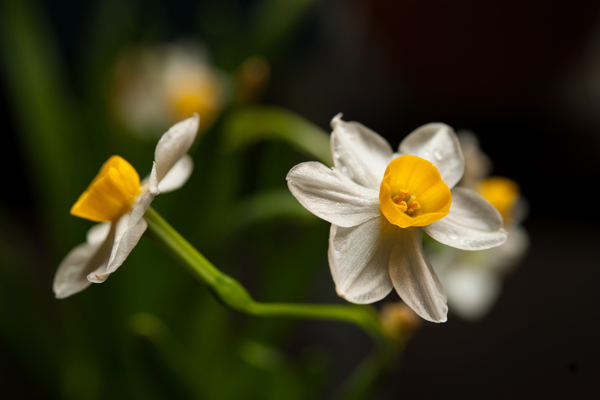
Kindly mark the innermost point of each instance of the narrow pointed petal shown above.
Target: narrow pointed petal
(472, 223)
(174, 144)
(331, 195)
(71, 275)
(438, 144)
(126, 238)
(359, 152)
(178, 175)
(359, 258)
(414, 279)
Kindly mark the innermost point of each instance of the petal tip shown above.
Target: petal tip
(340, 294)
(438, 318)
(442, 320)
(59, 296)
(96, 278)
(504, 234)
(194, 119)
(337, 120)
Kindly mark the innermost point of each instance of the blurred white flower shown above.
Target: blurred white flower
(377, 201)
(473, 281)
(118, 199)
(156, 86)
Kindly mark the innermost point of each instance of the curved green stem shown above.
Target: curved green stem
(233, 295)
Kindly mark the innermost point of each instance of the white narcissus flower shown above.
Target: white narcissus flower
(379, 202)
(155, 86)
(118, 199)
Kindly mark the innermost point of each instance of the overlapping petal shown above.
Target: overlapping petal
(359, 152)
(71, 276)
(472, 223)
(414, 279)
(331, 195)
(359, 257)
(177, 175)
(438, 144)
(127, 234)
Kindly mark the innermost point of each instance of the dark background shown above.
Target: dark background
(521, 75)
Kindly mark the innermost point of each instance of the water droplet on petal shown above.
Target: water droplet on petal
(291, 182)
(336, 154)
(452, 234)
(344, 169)
(438, 156)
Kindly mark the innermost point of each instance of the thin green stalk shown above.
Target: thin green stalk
(233, 295)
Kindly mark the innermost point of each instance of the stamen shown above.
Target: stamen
(400, 197)
(402, 206)
(414, 206)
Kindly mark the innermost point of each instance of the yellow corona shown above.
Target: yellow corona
(413, 193)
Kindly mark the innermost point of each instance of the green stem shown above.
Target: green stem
(233, 295)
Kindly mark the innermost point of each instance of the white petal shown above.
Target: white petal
(150, 182)
(71, 275)
(438, 144)
(359, 258)
(472, 223)
(174, 144)
(331, 195)
(178, 175)
(98, 233)
(126, 238)
(139, 208)
(414, 279)
(359, 152)
(472, 290)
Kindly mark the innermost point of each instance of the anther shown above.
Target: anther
(414, 205)
(402, 206)
(399, 198)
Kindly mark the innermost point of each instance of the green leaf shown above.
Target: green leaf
(249, 125)
(46, 118)
(273, 21)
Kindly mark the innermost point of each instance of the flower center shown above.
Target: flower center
(412, 192)
(111, 193)
(502, 193)
(407, 203)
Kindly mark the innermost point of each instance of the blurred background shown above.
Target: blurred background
(82, 81)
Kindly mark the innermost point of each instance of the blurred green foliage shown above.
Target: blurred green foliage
(151, 331)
